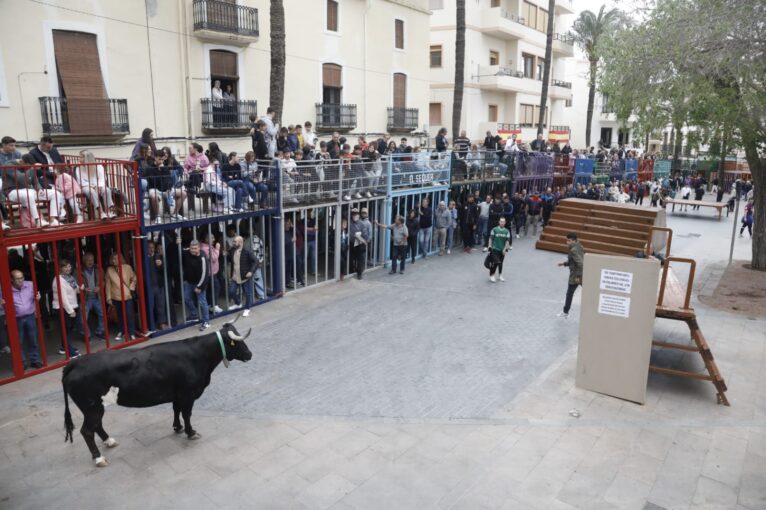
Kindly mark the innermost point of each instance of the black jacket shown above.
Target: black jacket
(195, 269)
(260, 147)
(247, 262)
(413, 225)
(40, 157)
(469, 215)
(496, 212)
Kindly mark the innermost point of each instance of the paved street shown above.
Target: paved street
(434, 389)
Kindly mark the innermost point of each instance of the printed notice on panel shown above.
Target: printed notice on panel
(618, 306)
(617, 281)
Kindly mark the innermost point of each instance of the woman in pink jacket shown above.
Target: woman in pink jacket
(68, 186)
(65, 295)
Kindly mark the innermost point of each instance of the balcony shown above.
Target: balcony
(564, 7)
(227, 116)
(561, 89)
(503, 24)
(219, 21)
(402, 120)
(84, 117)
(504, 79)
(335, 117)
(563, 44)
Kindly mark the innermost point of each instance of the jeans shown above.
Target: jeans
(227, 194)
(191, 300)
(412, 246)
(127, 319)
(358, 258)
(255, 188)
(247, 290)
(312, 254)
(240, 189)
(450, 237)
(27, 325)
(570, 294)
(424, 241)
(532, 220)
(93, 304)
(160, 306)
(481, 231)
(520, 220)
(399, 253)
(500, 256)
(70, 325)
(440, 238)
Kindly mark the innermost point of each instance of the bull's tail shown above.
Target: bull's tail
(68, 425)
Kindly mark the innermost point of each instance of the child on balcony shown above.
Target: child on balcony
(70, 188)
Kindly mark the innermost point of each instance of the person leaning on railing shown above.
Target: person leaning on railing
(120, 284)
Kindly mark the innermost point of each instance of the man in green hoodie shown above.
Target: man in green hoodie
(574, 263)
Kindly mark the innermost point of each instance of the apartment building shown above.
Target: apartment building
(505, 55)
(95, 74)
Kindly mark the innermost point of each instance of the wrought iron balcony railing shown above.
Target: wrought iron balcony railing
(567, 38)
(84, 116)
(227, 114)
(511, 16)
(402, 119)
(225, 17)
(561, 83)
(335, 116)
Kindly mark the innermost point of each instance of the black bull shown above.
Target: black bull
(176, 372)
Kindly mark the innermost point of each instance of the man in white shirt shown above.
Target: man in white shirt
(309, 137)
(271, 131)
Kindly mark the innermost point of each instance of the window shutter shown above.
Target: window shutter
(331, 75)
(400, 90)
(492, 113)
(434, 114)
(223, 64)
(79, 72)
(399, 32)
(332, 15)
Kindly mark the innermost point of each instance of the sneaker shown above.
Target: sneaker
(78, 219)
(235, 307)
(358, 195)
(5, 350)
(401, 272)
(392, 272)
(62, 351)
(157, 220)
(346, 197)
(517, 236)
(501, 278)
(484, 249)
(204, 326)
(53, 223)
(190, 320)
(563, 315)
(449, 252)
(492, 279)
(74, 354)
(6, 226)
(118, 338)
(245, 312)
(368, 194)
(217, 309)
(178, 217)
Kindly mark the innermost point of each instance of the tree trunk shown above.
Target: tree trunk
(758, 171)
(457, 97)
(277, 86)
(722, 163)
(591, 99)
(546, 67)
(646, 142)
(677, 148)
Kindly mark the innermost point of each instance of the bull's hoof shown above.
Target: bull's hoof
(101, 462)
(195, 436)
(111, 443)
(178, 429)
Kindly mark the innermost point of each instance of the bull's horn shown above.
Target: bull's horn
(234, 336)
(248, 333)
(235, 319)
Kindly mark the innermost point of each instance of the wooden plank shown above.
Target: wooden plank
(681, 373)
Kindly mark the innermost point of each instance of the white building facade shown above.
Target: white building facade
(505, 52)
(95, 74)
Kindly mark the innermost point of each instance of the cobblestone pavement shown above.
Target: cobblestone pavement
(435, 389)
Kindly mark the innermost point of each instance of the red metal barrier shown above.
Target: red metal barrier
(35, 255)
(646, 170)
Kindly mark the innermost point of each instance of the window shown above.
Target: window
(223, 67)
(435, 114)
(527, 117)
(435, 5)
(537, 116)
(568, 103)
(332, 83)
(494, 58)
(400, 90)
(492, 114)
(399, 34)
(332, 15)
(436, 56)
(542, 21)
(494, 3)
(81, 83)
(529, 65)
(540, 67)
(529, 11)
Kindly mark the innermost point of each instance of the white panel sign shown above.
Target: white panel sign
(618, 306)
(617, 281)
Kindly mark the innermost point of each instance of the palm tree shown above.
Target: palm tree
(546, 67)
(590, 30)
(457, 98)
(277, 87)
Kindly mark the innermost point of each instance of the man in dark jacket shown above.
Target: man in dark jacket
(469, 219)
(196, 278)
(45, 153)
(496, 211)
(574, 263)
(156, 273)
(243, 265)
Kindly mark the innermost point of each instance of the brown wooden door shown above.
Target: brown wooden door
(400, 90)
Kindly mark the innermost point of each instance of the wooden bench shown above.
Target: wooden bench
(699, 203)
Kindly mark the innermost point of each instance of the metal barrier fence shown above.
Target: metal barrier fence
(533, 171)
(69, 294)
(83, 194)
